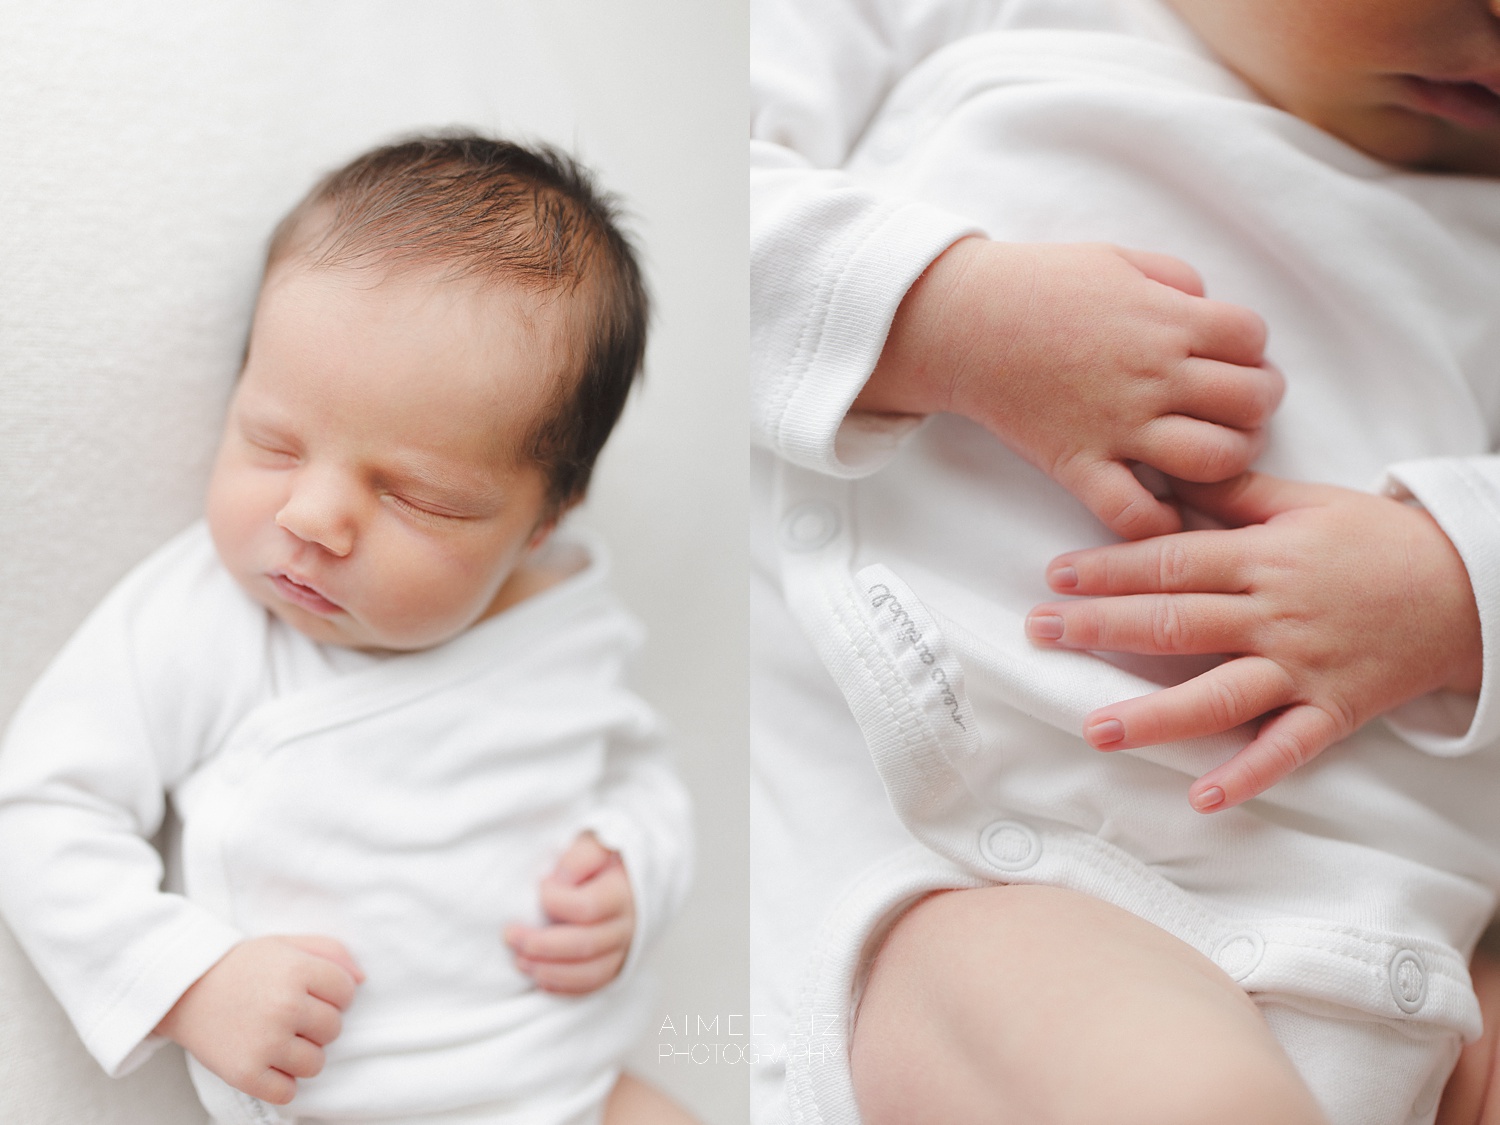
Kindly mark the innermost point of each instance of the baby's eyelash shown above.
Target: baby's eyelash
(272, 451)
(416, 509)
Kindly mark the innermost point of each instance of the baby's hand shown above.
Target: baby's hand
(589, 901)
(1337, 606)
(261, 1017)
(1083, 358)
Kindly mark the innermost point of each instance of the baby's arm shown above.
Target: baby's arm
(1338, 605)
(1081, 357)
(262, 1015)
(622, 878)
(588, 900)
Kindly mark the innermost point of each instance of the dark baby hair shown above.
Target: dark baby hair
(503, 213)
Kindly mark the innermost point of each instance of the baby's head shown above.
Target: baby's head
(1414, 82)
(446, 333)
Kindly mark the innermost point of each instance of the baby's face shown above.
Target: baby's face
(1414, 82)
(368, 488)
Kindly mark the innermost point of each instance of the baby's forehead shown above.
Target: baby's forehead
(493, 358)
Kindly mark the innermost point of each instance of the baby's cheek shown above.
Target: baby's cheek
(419, 609)
(233, 516)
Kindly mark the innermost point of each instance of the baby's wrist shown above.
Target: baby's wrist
(1464, 667)
(918, 370)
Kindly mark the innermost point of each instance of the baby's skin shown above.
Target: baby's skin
(1085, 358)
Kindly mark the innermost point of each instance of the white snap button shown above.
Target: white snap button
(810, 526)
(1009, 845)
(1408, 981)
(1238, 954)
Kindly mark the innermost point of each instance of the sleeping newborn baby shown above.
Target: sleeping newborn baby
(381, 692)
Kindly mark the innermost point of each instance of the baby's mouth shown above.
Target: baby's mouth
(1474, 105)
(301, 594)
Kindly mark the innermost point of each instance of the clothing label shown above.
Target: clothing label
(915, 644)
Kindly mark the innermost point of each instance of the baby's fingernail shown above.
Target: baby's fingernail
(1210, 799)
(1063, 578)
(1106, 732)
(1044, 627)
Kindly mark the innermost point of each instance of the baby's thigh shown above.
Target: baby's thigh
(1473, 1093)
(1034, 1003)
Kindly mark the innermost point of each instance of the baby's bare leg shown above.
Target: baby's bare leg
(1473, 1093)
(633, 1102)
(1038, 1004)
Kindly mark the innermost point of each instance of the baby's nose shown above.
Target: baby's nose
(318, 511)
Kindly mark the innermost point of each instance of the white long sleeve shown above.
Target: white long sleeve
(646, 816)
(1463, 495)
(83, 778)
(831, 259)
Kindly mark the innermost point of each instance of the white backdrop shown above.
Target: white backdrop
(146, 149)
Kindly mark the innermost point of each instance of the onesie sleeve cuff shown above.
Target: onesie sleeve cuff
(658, 865)
(119, 1033)
(1463, 495)
(828, 277)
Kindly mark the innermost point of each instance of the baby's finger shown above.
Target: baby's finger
(269, 1085)
(1231, 333)
(320, 1022)
(1194, 450)
(1122, 503)
(1155, 624)
(1242, 397)
(1220, 699)
(300, 1058)
(330, 982)
(573, 977)
(584, 859)
(1253, 498)
(600, 898)
(320, 945)
(1165, 269)
(570, 943)
(1203, 562)
(1285, 742)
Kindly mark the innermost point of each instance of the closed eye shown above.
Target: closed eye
(273, 455)
(267, 444)
(421, 512)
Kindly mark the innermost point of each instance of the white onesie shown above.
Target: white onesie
(896, 695)
(407, 805)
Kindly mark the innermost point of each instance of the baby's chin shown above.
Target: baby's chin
(1415, 140)
(340, 629)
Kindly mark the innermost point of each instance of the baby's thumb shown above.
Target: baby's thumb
(584, 859)
(1122, 503)
(1250, 498)
(1165, 269)
(329, 949)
